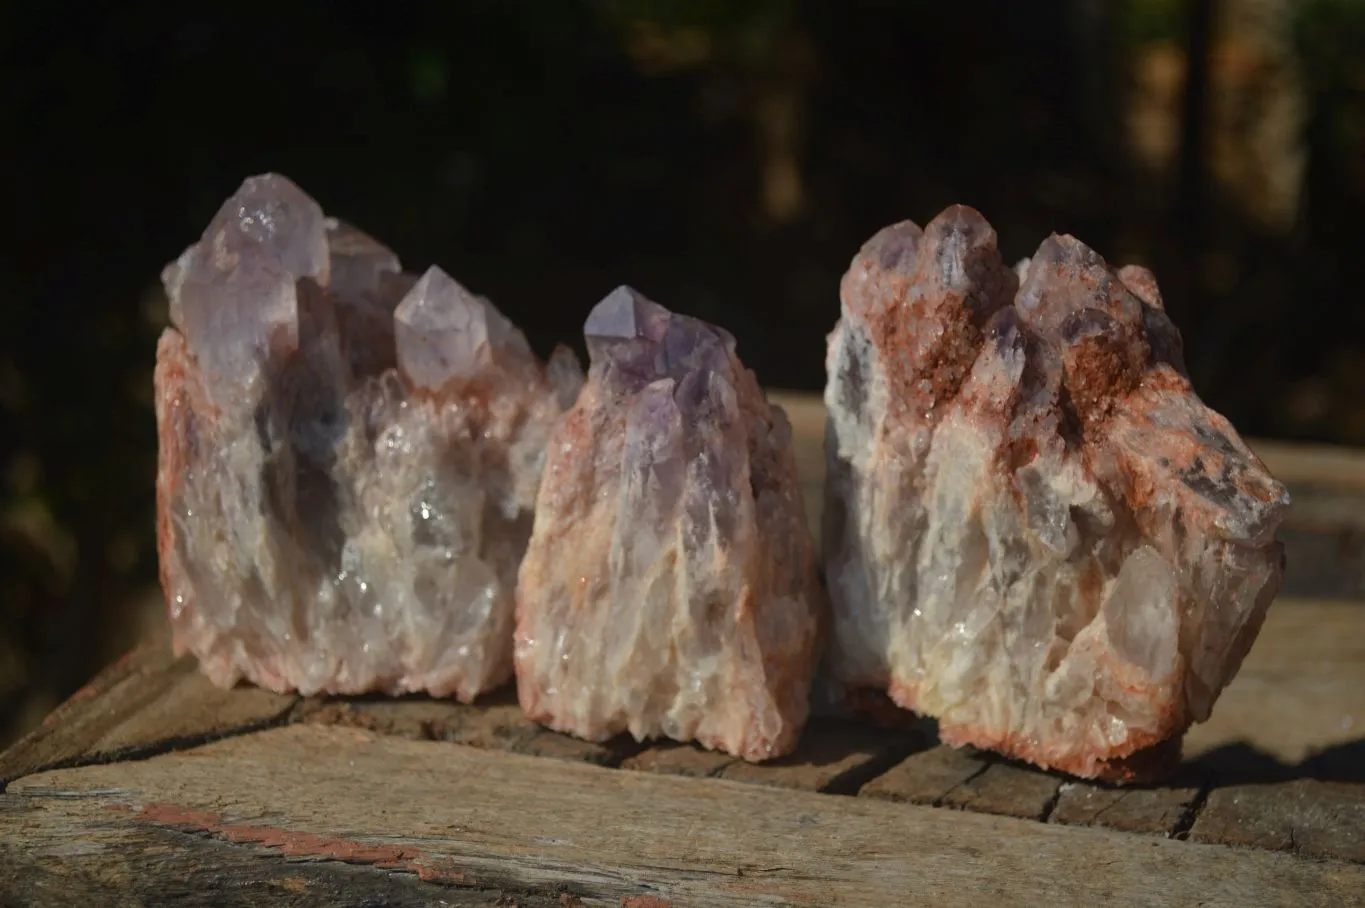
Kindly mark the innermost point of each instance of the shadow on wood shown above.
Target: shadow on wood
(1243, 764)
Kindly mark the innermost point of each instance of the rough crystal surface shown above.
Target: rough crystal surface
(446, 334)
(1035, 530)
(670, 586)
(357, 261)
(328, 518)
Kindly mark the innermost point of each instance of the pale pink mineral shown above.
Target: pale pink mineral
(1035, 530)
(670, 585)
(349, 458)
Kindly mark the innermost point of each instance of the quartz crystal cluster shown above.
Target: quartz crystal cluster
(670, 586)
(349, 457)
(1035, 531)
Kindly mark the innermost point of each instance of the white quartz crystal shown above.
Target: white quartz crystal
(327, 520)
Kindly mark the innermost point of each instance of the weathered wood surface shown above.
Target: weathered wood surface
(1270, 773)
(1300, 692)
(146, 702)
(127, 795)
(481, 823)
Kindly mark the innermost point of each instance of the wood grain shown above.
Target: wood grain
(833, 756)
(145, 702)
(928, 777)
(1006, 789)
(459, 818)
(495, 722)
(1294, 712)
(1306, 816)
(676, 759)
(1163, 810)
(1301, 690)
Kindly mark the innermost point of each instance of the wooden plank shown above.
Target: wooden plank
(806, 412)
(1305, 816)
(144, 703)
(676, 759)
(1163, 810)
(138, 863)
(1325, 562)
(495, 722)
(928, 777)
(552, 744)
(835, 756)
(1331, 466)
(456, 817)
(968, 780)
(1300, 693)
(1301, 690)
(1285, 747)
(1007, 789)
(1293, 712)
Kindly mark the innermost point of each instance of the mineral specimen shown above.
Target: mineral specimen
(1035, 531)
(670, 585)
(349, 457)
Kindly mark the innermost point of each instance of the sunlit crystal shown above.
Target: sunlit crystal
(1035, 531)
(669, 588)
(327, 521)
(445, 333)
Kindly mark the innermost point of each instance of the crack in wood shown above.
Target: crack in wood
(978, 773)
(1191, 813)
(719, 770)
(1051, 804)
(272, 809)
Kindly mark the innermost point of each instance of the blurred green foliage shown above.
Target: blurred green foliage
(1330, 40)
(1153, 20)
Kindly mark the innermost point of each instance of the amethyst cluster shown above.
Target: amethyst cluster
(669, 588)
(1034, 530)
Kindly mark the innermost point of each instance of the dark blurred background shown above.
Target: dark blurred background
(728, 158)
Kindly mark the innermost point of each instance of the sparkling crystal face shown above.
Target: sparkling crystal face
(443, 331)
(634, 341)
(668, 588)
(1065, 276)
(234, 292)
(322, 525)
(269, 219)
(1038, 533)
(894, 248)
(625, 314)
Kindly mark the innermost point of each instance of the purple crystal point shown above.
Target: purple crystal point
(349, 458)
(965, 259)
(270, 217)
(233, 293)
(637, 341)
(894, 248)
(668, 588)
(1065, 276)
(443, 331)
(624, 314)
